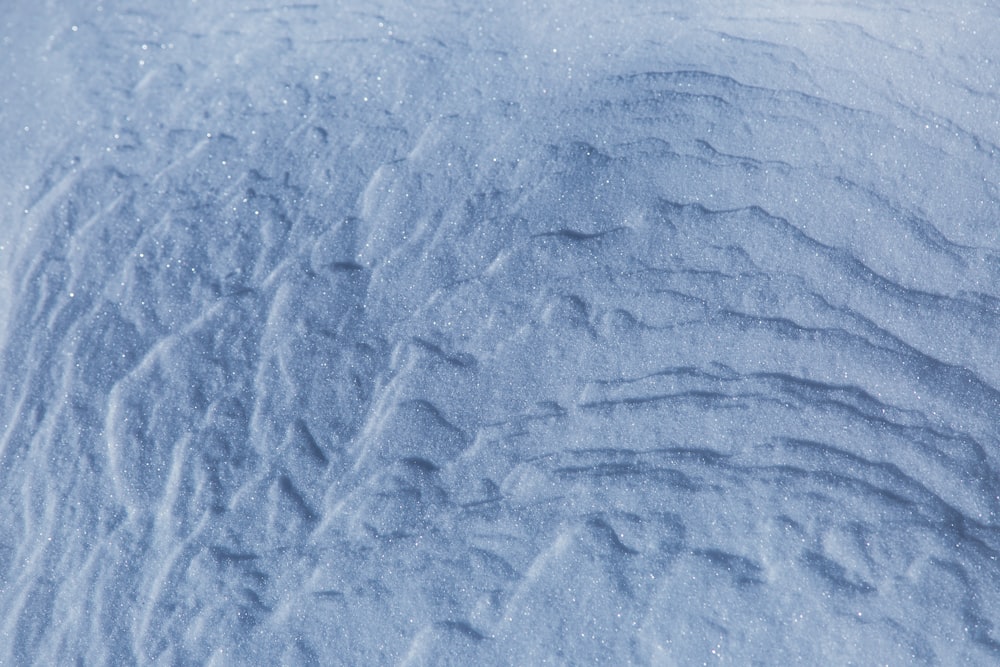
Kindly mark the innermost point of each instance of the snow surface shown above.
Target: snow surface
(537, 333)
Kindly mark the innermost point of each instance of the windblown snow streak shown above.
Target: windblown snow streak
(442, 334)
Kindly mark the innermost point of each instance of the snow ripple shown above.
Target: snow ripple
(456, 336)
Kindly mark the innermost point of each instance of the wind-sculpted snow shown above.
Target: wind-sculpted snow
(445, 334)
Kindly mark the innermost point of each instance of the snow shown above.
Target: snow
(447, 333)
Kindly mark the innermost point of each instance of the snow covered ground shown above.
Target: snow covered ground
(542, 333)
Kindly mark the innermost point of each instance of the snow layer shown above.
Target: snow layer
(440, 333)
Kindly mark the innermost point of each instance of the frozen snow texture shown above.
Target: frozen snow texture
(431, 333)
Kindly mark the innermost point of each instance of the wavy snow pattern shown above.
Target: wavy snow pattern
(449, 335)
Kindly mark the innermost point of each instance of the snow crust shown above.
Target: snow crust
(547, 333)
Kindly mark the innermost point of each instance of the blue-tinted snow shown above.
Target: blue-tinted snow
(435, 333)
